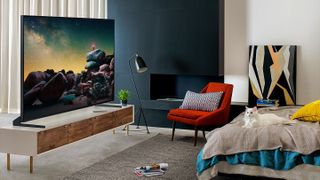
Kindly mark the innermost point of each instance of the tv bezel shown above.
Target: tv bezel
(20, 120)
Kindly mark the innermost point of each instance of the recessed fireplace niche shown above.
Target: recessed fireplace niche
(174, 86)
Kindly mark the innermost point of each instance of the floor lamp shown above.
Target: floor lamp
(141, 67)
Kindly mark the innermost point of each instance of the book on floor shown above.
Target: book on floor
(153, 170)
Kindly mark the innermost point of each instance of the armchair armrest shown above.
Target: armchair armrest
(216, 117)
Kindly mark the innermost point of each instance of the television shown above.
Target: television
(66, 64)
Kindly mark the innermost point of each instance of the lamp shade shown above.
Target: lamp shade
(140, 64)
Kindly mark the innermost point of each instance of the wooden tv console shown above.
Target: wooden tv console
(62, 129)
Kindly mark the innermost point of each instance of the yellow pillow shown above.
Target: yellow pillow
(309, 112)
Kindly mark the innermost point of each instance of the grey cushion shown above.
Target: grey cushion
(201, 101)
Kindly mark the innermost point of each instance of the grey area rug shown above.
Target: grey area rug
(180, 154)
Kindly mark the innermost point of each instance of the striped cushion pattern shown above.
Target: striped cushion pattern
(201, 101)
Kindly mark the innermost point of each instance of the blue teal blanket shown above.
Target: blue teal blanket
(274, 159)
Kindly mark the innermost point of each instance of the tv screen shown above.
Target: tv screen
(67, 64)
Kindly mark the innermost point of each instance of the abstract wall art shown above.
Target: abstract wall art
(272, 74)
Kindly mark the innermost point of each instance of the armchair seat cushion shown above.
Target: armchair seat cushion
(190, 114)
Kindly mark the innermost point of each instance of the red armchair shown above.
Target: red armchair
(202, 119)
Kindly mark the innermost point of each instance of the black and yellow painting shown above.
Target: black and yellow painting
(272, 74)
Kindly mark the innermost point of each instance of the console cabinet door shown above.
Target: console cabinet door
(80, 130)
(52, 138)
(124, 116)
(103, 123)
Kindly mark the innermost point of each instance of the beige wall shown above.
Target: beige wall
(294, 22)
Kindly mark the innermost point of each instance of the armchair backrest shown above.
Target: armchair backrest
(226, 98)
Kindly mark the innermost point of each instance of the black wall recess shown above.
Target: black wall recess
(176, 86)
(178, 39)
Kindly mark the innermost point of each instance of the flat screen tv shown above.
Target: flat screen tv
(66, 64)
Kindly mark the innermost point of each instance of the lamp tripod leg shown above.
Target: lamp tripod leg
(139, 118)
(145, 121)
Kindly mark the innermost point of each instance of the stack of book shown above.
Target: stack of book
(267, 103)
(153, 170)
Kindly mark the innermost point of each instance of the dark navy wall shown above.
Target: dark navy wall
(177, 37)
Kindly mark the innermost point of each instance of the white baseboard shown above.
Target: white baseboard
(14, 111)
(11, 111)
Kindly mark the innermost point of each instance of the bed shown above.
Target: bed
(279, 151)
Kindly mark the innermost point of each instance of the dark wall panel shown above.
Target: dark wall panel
(176, 37)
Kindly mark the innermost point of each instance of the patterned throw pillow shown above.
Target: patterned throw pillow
(201, 101)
